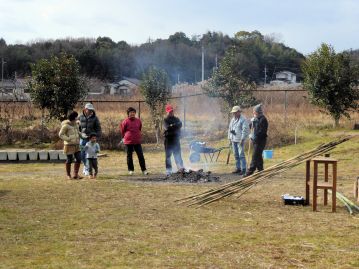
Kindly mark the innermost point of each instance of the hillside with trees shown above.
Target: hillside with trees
(180, 56)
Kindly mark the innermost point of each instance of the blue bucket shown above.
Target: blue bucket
(267, 154)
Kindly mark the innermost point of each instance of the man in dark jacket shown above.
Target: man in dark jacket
(89, 123)
(259, 139)
(172, 132)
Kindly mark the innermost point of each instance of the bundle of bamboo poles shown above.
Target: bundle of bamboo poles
(241, 186)
(351, 206)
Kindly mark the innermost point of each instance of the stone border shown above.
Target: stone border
(32, 156)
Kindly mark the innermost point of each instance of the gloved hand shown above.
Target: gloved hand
(233, 132)
(120, 143)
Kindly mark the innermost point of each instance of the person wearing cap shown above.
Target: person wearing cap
(89, 123)
(131, 133)
(172, 132)
(259, 124)
(238, 132)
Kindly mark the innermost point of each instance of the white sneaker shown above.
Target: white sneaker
(130, 173)
(145, 172)
(85, 172)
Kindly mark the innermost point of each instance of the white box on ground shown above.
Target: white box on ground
(43, 155)
(33, 155)
(22, 155)
(12, 155)
(3, 155)
(54, 155)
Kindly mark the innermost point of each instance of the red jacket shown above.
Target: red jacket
(131, 131)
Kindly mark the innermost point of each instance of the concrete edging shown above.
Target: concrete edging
(31, 156)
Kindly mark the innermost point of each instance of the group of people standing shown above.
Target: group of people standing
(131, 132)
(80, 140)
(240, 130)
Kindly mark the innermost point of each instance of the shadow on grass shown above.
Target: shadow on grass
(3, 193)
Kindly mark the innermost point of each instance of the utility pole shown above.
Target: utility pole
(216, 61)
(2, 72)
(178, 78)
(202, 64)
(265, 75)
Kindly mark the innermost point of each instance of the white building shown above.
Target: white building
(124, 87)
(13, 89)
(286, 76)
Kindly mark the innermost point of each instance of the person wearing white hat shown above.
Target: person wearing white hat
(238, 132)
(89, 123)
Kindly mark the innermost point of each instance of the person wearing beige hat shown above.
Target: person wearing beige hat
(238, 132)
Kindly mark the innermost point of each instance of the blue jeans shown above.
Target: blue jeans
(173, 146)
(238, 150)
(83, 153)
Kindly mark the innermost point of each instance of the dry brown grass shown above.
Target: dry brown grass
(122, 222)
(204, 119)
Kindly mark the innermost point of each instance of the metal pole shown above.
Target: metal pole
(265, 75)
(2, 69)
(202, 64)
(184, 113)
(2, 72)
(285, 107)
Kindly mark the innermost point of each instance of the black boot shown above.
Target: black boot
(249, 173)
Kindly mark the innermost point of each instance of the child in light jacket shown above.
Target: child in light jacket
(92, 148)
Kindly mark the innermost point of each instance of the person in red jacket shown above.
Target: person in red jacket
(131, 133)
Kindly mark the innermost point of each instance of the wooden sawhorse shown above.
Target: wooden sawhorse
(326, 185)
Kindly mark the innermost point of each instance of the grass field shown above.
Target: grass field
(119, 221)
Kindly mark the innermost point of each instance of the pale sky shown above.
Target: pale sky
(300, 24)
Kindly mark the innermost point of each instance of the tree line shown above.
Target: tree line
(180, 56)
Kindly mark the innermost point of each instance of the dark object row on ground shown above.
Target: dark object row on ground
(192, 176)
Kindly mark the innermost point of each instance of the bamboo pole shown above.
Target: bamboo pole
(240, 187)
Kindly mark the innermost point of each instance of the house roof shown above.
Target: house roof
(135, 81)
(285, 72)
(11, 84)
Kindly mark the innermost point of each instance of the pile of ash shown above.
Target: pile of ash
(191, 176)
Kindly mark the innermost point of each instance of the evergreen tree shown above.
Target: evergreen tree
(331, 82)
(56, 85)
(155, 88)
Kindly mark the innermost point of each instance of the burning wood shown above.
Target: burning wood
(192, 176)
